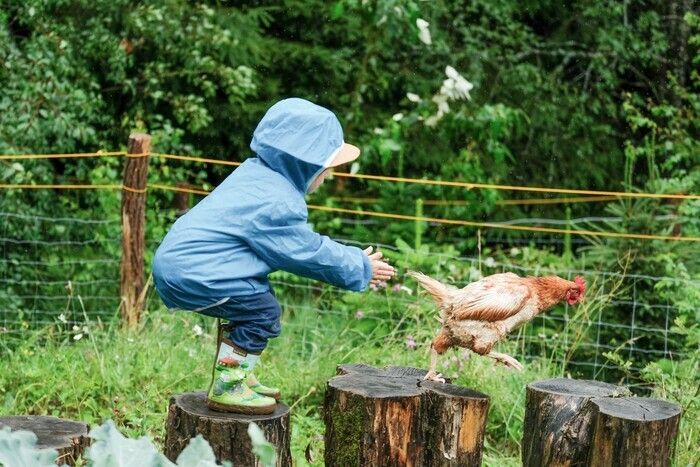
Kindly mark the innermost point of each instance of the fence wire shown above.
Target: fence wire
(57, 271)
(64, 271)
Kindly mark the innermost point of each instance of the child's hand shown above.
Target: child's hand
(381, 270)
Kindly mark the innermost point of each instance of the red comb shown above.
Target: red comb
(581, 283)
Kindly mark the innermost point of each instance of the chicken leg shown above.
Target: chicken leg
(432, 374)
(507, 360)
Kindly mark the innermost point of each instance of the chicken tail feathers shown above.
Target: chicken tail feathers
(437, 289)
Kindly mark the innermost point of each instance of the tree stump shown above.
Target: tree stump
(68, 437)
(558, 420)
(227, 433)
(392, 417)
(634, 432)
(581, 423)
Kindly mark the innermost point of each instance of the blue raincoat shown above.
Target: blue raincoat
(255, 222)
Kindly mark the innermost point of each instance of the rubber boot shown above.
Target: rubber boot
(228, 391)
(252, 380)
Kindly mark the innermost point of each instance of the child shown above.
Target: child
(216, 258)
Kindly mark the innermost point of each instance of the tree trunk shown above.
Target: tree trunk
(68, 437)
(634, 432)
(227, 433)
(391, 417)
(581, 423)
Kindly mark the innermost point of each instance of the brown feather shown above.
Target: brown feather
(493, 298)
(435, 288)
(442, 342)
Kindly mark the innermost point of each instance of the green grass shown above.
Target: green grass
(130, 376)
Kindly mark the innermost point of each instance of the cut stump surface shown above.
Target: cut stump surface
(392, 417)
(227, 433)
(68, 437)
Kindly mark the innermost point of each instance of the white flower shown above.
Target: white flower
(197, 329)
(397, 117)
(489, 262)
(413, 97)
(432, 120)
(76, 328)
(514, 251)
(62, 318)
(452, 73)
(407, 290)
(354, 168)
(378, 131)
(423, 31)
(77, 337)
(455, 86)
(443, 108)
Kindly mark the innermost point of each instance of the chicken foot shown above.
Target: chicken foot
(507, 360)
(432, 374)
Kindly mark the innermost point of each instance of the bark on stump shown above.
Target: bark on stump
(585, 423)
(227, 433)
(392, 417)
(68, 437)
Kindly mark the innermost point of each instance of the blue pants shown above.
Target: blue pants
(254, 319)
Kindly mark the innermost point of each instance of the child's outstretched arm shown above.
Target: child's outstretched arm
(281, 236)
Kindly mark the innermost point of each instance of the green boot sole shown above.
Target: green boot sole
(243, 409)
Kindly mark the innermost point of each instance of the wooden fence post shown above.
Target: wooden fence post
(132, 284)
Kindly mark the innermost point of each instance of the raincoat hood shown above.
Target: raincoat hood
(298, 139)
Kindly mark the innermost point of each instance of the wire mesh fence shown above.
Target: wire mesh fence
(56, 270)
(64, 271)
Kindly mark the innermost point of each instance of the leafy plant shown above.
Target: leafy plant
(112, 449)
(18, 449)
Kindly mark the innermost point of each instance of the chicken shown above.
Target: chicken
(482, 313)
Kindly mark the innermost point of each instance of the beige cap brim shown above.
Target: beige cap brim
(347, 153)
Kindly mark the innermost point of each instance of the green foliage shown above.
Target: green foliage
(547, 79)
